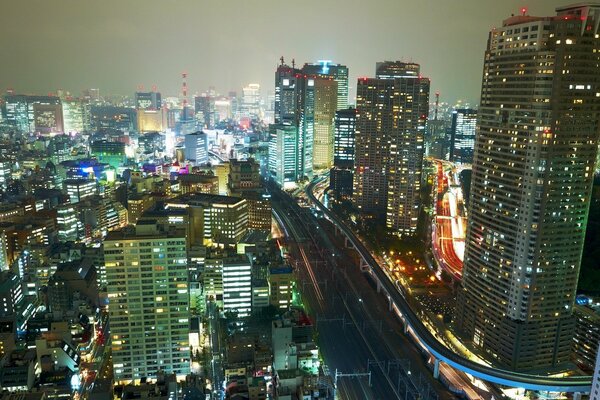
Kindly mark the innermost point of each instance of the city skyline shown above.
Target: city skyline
(138, 42)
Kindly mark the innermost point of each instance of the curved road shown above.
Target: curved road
(580, 384)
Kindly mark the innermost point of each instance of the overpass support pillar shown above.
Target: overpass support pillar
(405, 326)
(346, 242)
(577, 396)
(364, 267)
(436, 368)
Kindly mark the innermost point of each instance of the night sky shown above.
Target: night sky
(116, 45)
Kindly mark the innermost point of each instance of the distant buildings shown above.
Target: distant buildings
(196, 148)
(391, 111)
(462, 135)
(341, 175)
(532, 177)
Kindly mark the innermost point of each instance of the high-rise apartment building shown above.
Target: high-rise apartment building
(392, 110)
(462, 135)
(536, 145)
(147, 276)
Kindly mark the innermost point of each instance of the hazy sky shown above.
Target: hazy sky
(116, 45)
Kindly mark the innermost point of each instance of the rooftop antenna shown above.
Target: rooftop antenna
(523, 11)
(293, 63)
(281, 59)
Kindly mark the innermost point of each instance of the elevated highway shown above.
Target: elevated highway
(424, 338)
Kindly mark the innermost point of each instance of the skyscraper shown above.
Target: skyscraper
(391, 113)
(336, 71)
(307, 101)
(147, 276)
(343, 152)
(283, 154)
(325, 103)
(535, 150)
(462, 135)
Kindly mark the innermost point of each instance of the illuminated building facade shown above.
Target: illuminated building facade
(73, 116)
(343, 152)
(284, 159)
(237, 285)
(325, 104)
(196, 147)
(79, 189)
(147, 276)
(336, 71)
(536, 145)
(462, 135)
(148, 100)
(214, 220)
(392, 110)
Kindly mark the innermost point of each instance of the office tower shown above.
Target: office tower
(147, 276)
(150, 120)
(48, 118)
(535, 151)
(204, 107)
(244, 181)
(121, 118)
(67, 223)
(251, 100)
(34, 113)
(283, 154)
(79, 189)
(148, 101)
(237, 285)
(16, 112)
(214, 220)
(307, 102)
(223, 109)
(73, 116)
(325, 104)
(281, 283)
(286, 95)
(196, 148)
(462, 135)
(338, 72)
(341, 174)
(391, 113)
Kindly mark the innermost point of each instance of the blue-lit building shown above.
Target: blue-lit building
(462, 135)
(196, 147)
(284, 158)
(336, 71)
